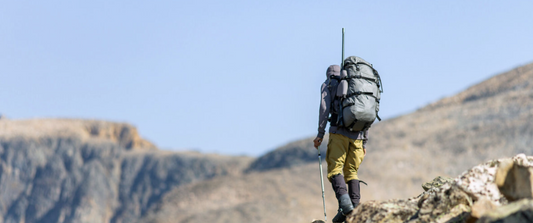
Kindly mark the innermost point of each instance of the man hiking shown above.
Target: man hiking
(345, 149)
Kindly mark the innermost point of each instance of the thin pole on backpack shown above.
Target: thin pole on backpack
(342, 59)
(322, 184)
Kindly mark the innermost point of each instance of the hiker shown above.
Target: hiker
(345, 149)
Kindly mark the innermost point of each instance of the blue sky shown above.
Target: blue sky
(242, 77)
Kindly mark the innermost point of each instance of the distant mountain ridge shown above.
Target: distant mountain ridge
(292, 154)
(122, 133)
(91, 171)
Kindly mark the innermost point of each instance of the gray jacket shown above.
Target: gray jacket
(325, 108)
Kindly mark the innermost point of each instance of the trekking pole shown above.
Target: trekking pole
(322, 184)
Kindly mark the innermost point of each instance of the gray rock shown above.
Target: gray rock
(519, 211)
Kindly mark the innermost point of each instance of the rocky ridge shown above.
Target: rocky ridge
(124, 134)
(477, 195)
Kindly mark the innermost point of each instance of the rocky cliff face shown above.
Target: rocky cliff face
(90, 171)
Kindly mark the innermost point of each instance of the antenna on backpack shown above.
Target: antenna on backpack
(342, 61)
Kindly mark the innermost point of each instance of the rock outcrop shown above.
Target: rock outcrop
(489, 192)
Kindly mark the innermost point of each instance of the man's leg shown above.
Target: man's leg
(335, 157)
(336, 154)
(354, 192)
(354, 158)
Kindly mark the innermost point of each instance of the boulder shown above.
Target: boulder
(443, 204)
(478, 182)
(514, 178)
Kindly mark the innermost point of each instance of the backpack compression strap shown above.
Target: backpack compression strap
(360, 93)
(361, 77)
(357, 93)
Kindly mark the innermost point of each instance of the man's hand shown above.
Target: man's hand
(364, 151)
(317, 142)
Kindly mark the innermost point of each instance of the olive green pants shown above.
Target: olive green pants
(344, 155)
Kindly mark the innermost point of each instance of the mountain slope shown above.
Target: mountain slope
(280, 195)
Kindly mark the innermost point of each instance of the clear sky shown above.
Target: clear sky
(242, 77)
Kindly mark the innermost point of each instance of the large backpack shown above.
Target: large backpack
(357, 96)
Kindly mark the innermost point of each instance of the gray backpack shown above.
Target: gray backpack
(358, 95)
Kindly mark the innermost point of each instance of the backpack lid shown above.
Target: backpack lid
(356, 60)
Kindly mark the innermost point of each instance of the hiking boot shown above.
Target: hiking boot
(345, 204)
(345, 207)
(354, 191)
(339, 217)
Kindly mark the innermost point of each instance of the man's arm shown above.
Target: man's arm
(365, 140)
(323, 113)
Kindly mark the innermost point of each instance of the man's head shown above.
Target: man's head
(333, 70)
